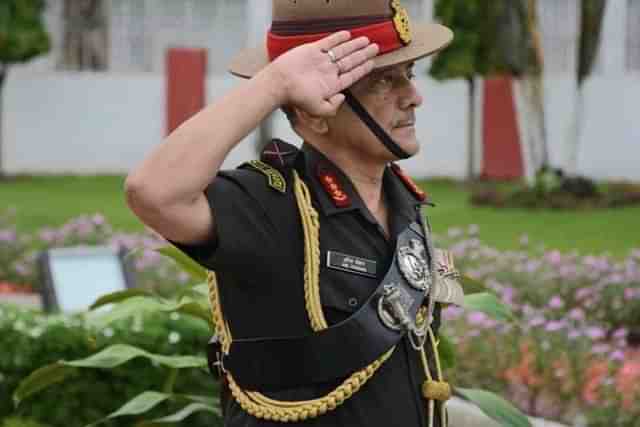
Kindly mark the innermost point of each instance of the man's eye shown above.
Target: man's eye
(411, 75)
(385, 80)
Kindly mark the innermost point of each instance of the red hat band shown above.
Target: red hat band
(384, 34)
(390, 32)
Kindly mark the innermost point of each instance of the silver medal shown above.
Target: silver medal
(413, 264)
(394, 306)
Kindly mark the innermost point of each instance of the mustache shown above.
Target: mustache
(410, 120)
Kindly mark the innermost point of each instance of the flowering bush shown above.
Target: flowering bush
(569, 355)
(18, 253)
(16, 260)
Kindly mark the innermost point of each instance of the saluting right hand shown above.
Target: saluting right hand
(310, 78)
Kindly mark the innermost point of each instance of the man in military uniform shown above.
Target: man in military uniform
(324, 287)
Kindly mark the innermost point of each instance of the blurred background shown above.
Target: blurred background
(530, 137)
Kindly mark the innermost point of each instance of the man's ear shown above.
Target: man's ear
(317, 124)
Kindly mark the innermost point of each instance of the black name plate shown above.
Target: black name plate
(351, 264)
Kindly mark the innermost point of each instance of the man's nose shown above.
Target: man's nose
(410, 96)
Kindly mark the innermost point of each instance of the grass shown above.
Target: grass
(51, 201)
(45, 201)
(590, 232)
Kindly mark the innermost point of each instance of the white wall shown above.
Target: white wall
(105, 123)
(610, 143)
(609, 146)
(84, 122)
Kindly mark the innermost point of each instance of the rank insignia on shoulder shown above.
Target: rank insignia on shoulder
(410, 185)
(274, 178)
(279, 154)
(332, 185)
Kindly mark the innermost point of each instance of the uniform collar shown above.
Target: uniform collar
(401, 201)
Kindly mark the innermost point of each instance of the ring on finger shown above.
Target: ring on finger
(332, 56)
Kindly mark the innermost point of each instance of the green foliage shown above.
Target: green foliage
(195, 270)
(491, 37)
(22, 33)
(488, 304)
(148, 400)
(34, 340)
(20, 422)
(125, 306)
(592, 17)
(496, 407)
(556, 191)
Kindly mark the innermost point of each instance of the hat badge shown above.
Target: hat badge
(401, 21)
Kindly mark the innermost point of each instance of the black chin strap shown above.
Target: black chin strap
(374, 127)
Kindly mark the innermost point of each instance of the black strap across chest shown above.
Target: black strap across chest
(267, 364)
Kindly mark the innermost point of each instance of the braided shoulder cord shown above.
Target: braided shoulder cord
(258, 404)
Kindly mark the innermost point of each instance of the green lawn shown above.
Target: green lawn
(590, 232)
(50, 201)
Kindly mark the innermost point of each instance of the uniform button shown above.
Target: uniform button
(353, 302)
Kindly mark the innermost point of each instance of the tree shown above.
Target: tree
(497, 37)
(22, 37)
(591, 18)
(85, 35)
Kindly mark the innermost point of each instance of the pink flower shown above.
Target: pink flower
(8, 236)
(583, 293)
(617, 355)
(452, 313)
(556, 302)
(629, 294)
(476, 317)
(576, 314)
(555, 325)
(554, 257)
(48, 235)
(620, 334)
(595, 332)
(537, 321)
(98, 219)
(532, 266)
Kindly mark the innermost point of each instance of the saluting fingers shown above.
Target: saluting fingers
(357, 58)
(345, 49)
(333, 40)
(349, 78)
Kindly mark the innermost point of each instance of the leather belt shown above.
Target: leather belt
(269, 364)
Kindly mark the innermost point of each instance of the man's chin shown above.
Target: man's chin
(410, 146)
(406, 139)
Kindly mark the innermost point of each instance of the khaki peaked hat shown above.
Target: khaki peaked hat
(386, 22)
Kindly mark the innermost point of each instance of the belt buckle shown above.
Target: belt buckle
(215, 358)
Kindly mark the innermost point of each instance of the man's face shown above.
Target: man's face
(390, 97)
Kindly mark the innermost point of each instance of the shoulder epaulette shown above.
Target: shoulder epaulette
(279, 154)
(408, 182)
(275, 179)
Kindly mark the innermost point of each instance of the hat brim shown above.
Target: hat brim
(427, 39)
